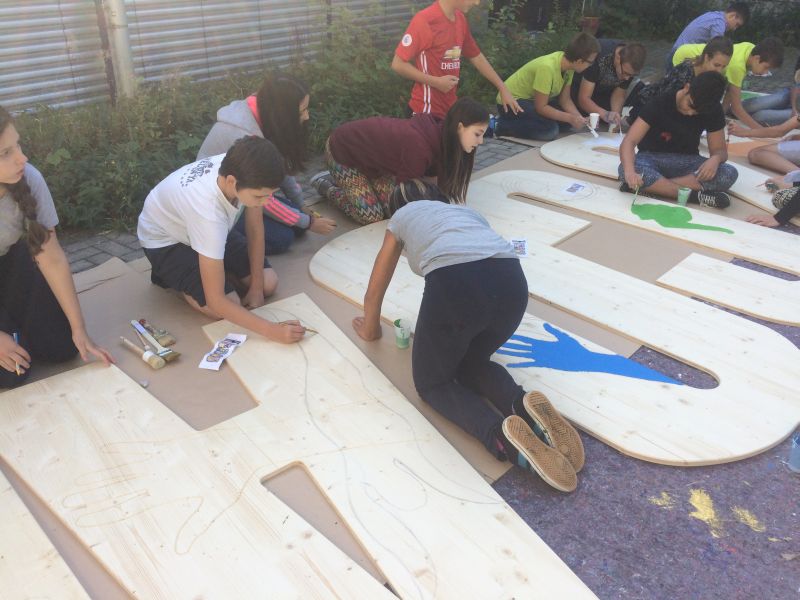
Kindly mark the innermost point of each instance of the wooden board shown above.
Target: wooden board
(177, 513)
(754, 407)
(583, 153)
(30, 567)
(755, 243)
(741, 289)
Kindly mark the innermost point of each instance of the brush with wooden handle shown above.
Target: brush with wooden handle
(154, 360)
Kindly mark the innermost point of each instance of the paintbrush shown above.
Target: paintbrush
(167, 354)
(154, 360)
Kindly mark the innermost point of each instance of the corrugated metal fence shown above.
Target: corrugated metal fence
(57, 53)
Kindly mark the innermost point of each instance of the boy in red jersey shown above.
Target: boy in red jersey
(429, 54)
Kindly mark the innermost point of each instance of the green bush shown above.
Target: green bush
(100, 161)
(665, 19)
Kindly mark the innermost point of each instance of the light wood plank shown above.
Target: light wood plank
(754, 407)
(168, 511)
(600, 157)
(30, 567)
(176, 513)
(741, 289)
(406, 494)
(761, 245)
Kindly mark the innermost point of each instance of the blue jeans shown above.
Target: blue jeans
(654, 165)
(529, 125)
(772, 109)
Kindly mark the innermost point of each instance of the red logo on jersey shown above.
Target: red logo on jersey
(666, 137)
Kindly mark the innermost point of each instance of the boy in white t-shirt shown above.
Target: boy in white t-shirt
(186, 230)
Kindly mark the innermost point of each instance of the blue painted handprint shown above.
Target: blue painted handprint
(566, 354)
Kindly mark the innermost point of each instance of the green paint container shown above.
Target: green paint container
(402, 333)
(683, 195)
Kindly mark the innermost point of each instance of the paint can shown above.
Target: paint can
(594, 119)
(683, 195)
(402, 333)
(794, 454)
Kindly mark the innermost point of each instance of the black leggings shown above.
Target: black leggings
(28, 306)
(468, 311)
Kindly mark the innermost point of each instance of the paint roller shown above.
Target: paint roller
(152, 359)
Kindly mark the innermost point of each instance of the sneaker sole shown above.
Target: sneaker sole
(556, 428)
(548, 463)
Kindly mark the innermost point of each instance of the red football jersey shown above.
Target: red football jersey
(437, 45)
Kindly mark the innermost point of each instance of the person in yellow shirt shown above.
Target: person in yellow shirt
(756, 59)
(542, 88)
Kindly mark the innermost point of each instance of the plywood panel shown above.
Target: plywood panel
(745, 290)
(169, 512)
(176, 513)
(755, 366)
(757, 244)
(584, 153)
(30, 567)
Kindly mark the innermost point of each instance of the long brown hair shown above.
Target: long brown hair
(455, 167)
(716, 45)
(278, 102)
(36, 233)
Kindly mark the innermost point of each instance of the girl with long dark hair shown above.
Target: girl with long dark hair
(277, 112)
(40, 317)
(369, 157)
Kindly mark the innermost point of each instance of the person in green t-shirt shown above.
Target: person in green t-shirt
(542, 88)
(756, 59)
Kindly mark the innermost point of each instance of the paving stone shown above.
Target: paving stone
(71, 247)
(113, 248)
(135, 255)
(99, 258)
(81, 254)
(80, 265)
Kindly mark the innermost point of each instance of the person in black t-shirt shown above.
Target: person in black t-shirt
(667, 134)
(602, 87)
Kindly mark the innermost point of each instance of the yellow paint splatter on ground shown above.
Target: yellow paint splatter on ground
(749, 519)
(704, 511)
(664, 501)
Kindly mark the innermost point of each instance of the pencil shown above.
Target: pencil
(15, 335)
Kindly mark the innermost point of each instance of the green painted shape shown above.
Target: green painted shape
(671, 217)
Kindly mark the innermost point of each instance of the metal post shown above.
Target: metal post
(117, 21)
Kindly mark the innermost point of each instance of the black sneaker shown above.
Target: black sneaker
(322, 182)
(782, 197)
(711, 199)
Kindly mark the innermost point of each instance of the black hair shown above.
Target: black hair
(716, 45)
(36, 234)
(278, 102)
(740, 8)
(455, 167)
(413, 190)
(581, 47)
(706, 91)
(769, 50)
(255, 163)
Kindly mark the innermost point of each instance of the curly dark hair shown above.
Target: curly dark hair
(36, 233)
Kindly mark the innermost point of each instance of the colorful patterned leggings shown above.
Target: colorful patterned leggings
(362, 199)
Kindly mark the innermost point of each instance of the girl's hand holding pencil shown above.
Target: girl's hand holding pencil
(13, 357)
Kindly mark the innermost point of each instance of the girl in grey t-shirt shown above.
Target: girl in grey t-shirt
(40, 318)
(475, 296)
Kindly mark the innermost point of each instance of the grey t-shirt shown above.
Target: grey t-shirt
(436, 235)
(11, 219)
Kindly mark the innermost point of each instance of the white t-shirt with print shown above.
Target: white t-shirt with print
(12, 224)
(189, 208)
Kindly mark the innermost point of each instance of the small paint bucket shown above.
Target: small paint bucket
(402, 333)
(594, 119)
(683, 195)
(794, 454)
